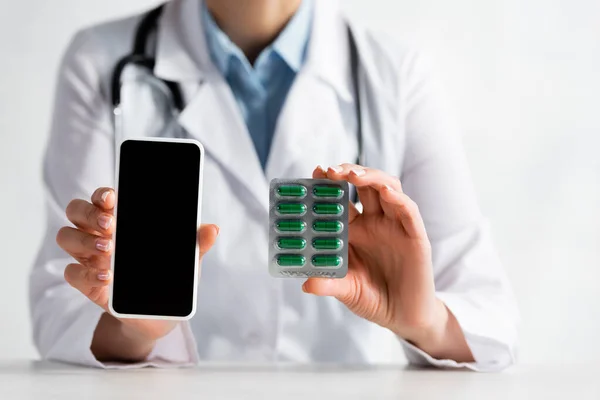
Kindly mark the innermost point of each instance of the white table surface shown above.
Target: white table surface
(43, 380)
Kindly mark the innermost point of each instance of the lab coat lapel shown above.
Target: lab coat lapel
(310, 132)
(211, 114)
(213, 118)
(313, 127)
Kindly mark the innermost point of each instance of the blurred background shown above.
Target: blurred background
(524, 76)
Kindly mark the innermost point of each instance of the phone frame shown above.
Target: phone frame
(198, 219)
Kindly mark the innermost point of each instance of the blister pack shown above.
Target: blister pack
(308, 228)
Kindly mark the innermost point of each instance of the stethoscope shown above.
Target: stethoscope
(141, 58)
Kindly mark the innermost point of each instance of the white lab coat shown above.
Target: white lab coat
(243, 313)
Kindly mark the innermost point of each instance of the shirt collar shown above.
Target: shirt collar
(290, 44)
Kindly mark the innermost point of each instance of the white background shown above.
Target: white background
(525, 76)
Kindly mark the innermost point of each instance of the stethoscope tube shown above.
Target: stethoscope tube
(354, 64)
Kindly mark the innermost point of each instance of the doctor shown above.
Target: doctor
(267, 88)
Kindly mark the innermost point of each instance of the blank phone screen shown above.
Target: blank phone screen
(155, 241)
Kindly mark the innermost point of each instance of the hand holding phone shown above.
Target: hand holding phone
(91, 243)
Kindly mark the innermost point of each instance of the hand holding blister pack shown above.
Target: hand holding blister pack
(308, 228)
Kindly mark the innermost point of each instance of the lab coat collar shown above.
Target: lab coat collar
(328, 55)
(292, 42)
(181, 51)
(183, 55)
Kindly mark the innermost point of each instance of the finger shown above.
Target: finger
(82, 244)
(319, 173)
(104, 198)
(352, 212)
(363, 176)
(85, 279)
(373, 178)
(342, 169)
(207, 235)
(368, 198)
(326, 286)
(368, 182)
(345, 289)
(89, 281)
(90, 218)
(342, 289)
(399, 206)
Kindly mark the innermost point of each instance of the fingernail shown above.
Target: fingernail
(104, 221)
(105, 196)
(358, 172)
(218, 229)
(337, 169)
(103, 244)
(304, 287)
(320, 168)
(103, 276)
(389, 188)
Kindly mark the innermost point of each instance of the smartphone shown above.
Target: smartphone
(158, 201)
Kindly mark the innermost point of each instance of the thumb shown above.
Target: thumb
(342, 289)
(207, 235)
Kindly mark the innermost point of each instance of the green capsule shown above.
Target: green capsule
(291, 260)
(292, 225)
(291, 191)
(328, 208)
(328, 191)
(327, 261)
(327, 226)
(291, 243)
(291, 208)
(327, 244)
